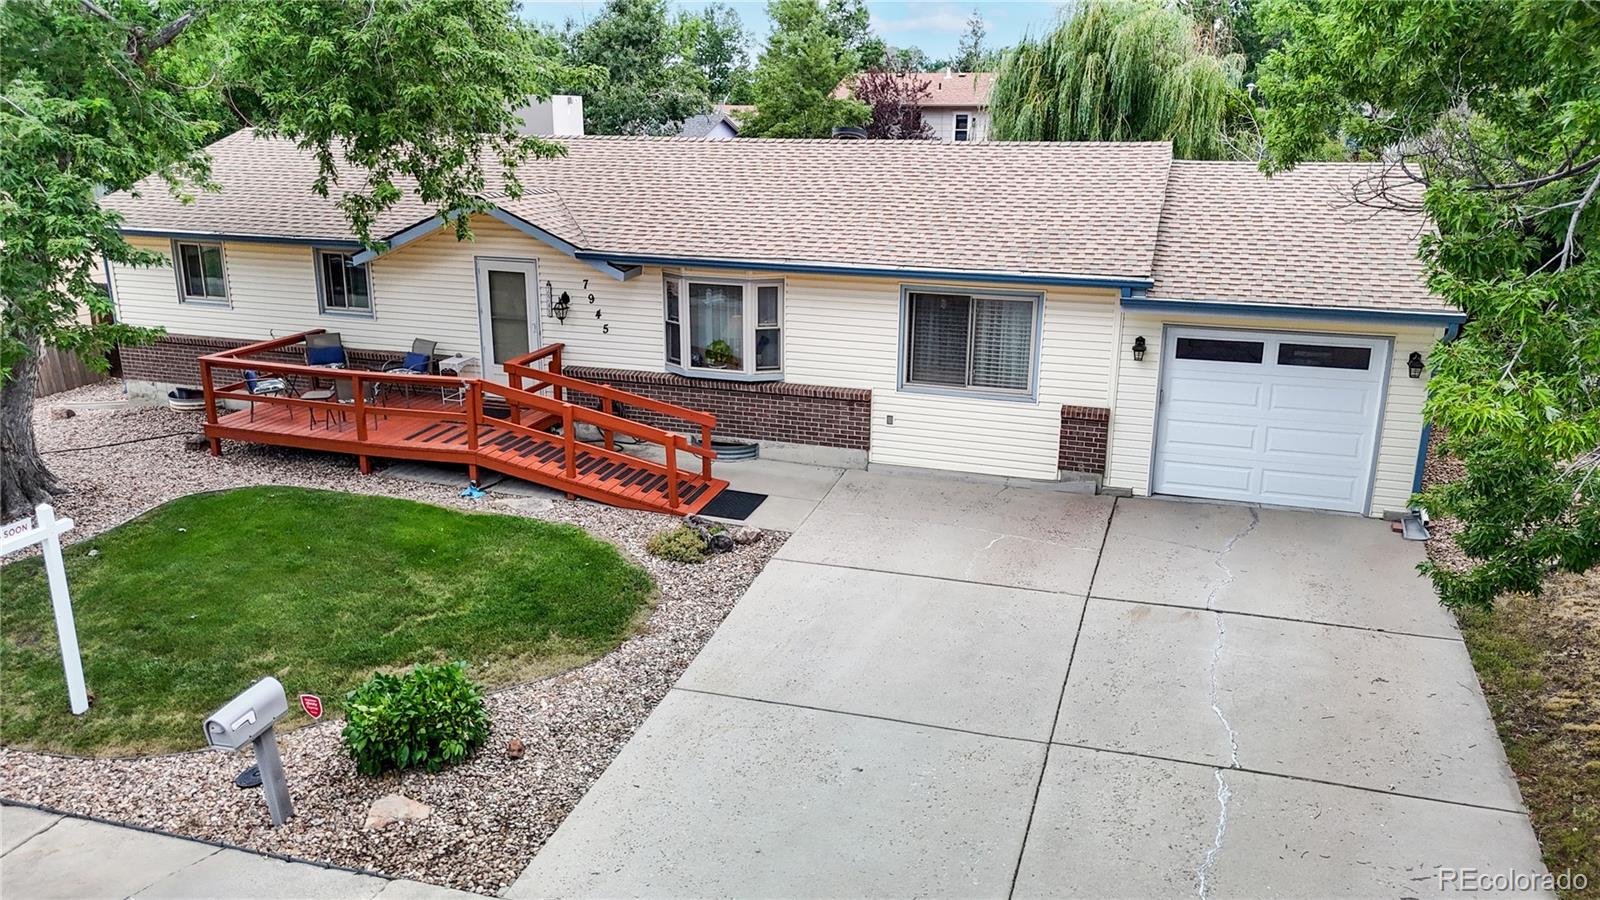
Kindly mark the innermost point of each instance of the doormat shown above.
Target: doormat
(733, 505)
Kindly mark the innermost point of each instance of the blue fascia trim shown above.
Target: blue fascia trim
(1422, 457)
(814, 269)
(1450, 333)
(1266, 310)
(537, 233)
(215, 236)
(425, 228)
(401, 238)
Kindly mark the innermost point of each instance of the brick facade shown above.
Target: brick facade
(770, 411)
(172, 360)
(1084, 432)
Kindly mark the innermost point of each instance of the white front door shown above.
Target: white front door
(508, 311)
(1270, 417)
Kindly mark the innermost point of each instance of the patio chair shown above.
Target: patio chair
(325, 350)
(418, 362)
(344, 392)
(257, 386)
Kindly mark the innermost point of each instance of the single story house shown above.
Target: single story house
(1012, 309)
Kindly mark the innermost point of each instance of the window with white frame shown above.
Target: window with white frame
(970, 342)
(342, 285)
(201, 278)
(963, 127)
(725, 327)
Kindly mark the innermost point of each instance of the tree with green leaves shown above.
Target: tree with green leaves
(970, 53)
(851, 23)
(804, 63)
(650, 83)
(714, 42)
(389, 95)
(1486, 117)
(908, 59)
(1119, 70)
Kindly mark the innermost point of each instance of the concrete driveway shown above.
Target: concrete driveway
(964, 688)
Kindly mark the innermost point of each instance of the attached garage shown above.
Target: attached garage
(1289, 419)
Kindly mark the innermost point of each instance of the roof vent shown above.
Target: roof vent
(849, 133)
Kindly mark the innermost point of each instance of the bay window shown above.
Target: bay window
(970, 342)
(724, 328)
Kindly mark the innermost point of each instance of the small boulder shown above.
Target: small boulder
(62, 412)
(747, 535)
(515, 749)
(196, 442)
(721, 542)
(694, 522)
(392, 808)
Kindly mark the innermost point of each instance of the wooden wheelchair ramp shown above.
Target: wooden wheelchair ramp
(525, 433)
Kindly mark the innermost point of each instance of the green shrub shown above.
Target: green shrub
(432, 716)
(681, 544)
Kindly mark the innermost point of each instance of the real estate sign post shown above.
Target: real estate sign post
(46, 530)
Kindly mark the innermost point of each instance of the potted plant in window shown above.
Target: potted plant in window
(719, 355)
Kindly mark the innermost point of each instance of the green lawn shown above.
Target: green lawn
(1539, 661)
(186, 605)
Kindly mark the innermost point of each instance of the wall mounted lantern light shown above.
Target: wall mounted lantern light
(1138, 348)
(562, 304)
(1414, 364)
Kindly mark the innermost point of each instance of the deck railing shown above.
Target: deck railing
(560, 384)
(529, 411)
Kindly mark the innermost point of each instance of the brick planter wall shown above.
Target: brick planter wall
(770, 411)
(172, 360)
(1084, 431)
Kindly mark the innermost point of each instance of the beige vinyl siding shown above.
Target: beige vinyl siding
(1133, 416)
(272, 291)
(427, 289)
(943, 123)
(846, 332)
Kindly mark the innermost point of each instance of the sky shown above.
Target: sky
(935, 26)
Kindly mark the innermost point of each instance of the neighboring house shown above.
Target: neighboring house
(1023, 310)
(711, 126)
(558, 116)
(956, 106)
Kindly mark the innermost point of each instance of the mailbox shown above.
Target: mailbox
(248, 719)
(247, 716)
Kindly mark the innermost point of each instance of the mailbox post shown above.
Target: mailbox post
(248, 719)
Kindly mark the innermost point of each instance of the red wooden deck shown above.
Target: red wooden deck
(409, 417)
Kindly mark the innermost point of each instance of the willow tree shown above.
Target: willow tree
(1120, 70)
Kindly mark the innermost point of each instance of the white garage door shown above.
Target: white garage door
(1271, 417)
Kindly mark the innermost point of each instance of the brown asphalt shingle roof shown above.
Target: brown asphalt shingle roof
(1230, 234)
(962, 90)
(1124, 211)
(1053, 209)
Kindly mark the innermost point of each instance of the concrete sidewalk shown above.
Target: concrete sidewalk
(44, 856)
(960, 688)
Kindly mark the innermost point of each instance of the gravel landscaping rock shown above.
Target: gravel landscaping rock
(1442, 548)
(489, 815)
